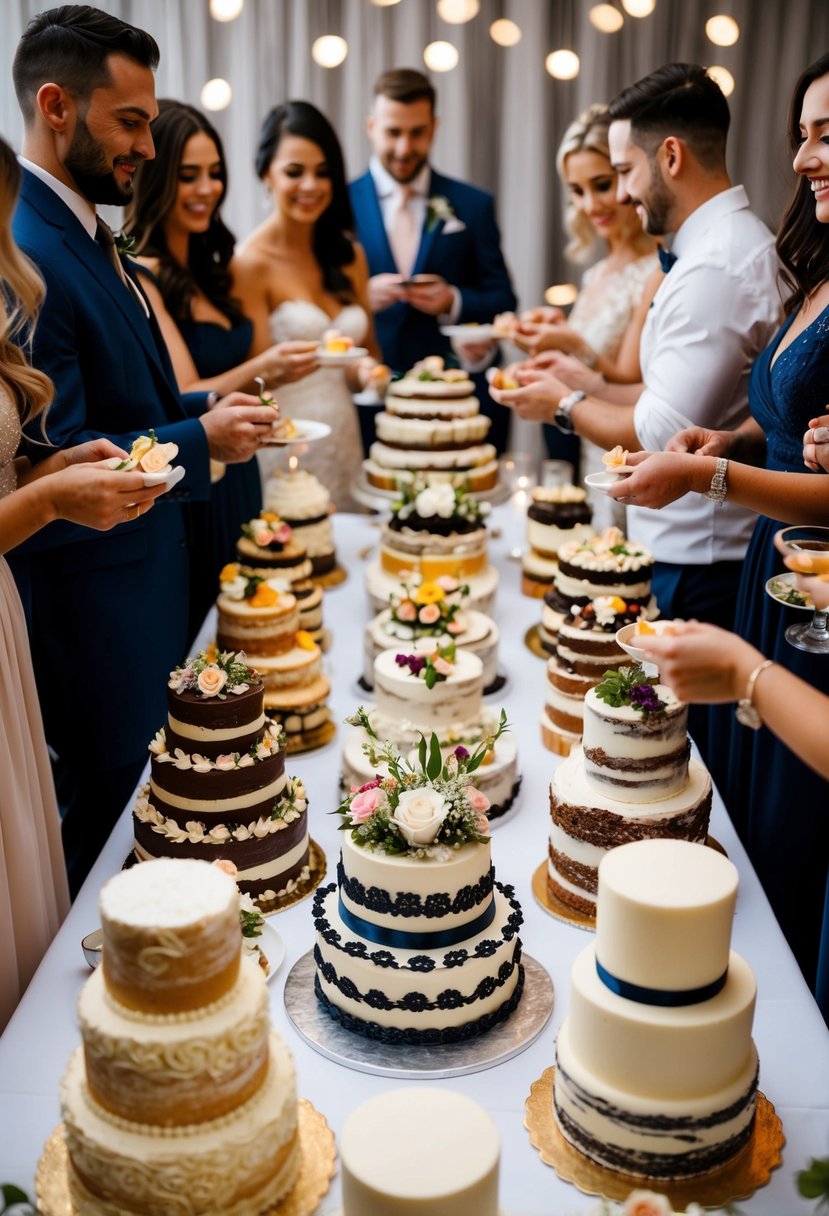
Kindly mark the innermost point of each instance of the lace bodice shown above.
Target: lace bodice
(296, 320)
(9, 440)
(618, 294)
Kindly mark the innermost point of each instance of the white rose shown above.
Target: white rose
(419, 814)
(235, 589)
(436, 500)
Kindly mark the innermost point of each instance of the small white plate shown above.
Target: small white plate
(340, 358)
(272, 946)
(781, 584)
(307, 431)
(468, 333)
(627, 632)
(172, 478)
(605, 479)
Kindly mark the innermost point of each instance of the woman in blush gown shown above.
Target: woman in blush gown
(603, 328)
(301, 274)
(778, 803)
(34, 896)
(184, 251)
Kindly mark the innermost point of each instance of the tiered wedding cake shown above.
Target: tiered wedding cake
(434, 531)
(415, 941)
(441, 692)
(218, 787)
(432, 429)
(630, 780)
(556, 516)
(657, 1071)
(182, 1100)
(269, 552)
(302, 501)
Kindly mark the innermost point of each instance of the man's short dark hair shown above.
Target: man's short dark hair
(69, 46)
(406, 85)
(679, 99)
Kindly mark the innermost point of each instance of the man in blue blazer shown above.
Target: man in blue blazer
(432, 243)
(107, 611)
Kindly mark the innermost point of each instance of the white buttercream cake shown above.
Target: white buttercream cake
(656, 1068)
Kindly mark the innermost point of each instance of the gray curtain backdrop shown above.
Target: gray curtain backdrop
(501, 115)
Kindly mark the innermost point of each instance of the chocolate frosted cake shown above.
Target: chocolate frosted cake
(656, 1070)
(218, 787)
(556, 516)
(632, 779)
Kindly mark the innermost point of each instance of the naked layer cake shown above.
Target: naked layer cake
(556, 516)
(302, 501)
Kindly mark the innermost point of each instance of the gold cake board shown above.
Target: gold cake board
(331, 578)
(317, 865)
(309, 741)
(532, 640)
(559, 910)
(319, 1162)
(737, 1179)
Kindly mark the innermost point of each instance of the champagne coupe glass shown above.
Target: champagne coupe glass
(806, 550)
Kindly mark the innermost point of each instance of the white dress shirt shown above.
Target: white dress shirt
(81, 208)
(716, 309)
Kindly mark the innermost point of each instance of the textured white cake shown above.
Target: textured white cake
(480, 636)
(657, 1071)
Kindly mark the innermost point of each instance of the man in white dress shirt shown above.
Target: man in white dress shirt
(712, 315)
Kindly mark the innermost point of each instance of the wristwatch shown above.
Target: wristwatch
(747, 715)
(718, 489)
(562, 418)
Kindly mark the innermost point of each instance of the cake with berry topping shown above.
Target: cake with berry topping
(631, 779)
(218, 787)
(416, 942)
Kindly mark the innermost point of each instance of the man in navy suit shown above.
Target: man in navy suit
(432, 243)
(107, 611)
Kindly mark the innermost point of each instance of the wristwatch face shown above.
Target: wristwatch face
(563, 420)
(748, 716)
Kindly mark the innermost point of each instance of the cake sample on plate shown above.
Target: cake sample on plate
(432, 429)
(218, 787)
(422, 615)
(632, 779)
(556, 516)
(301, 500)
(434, 531)
(656, 1070)
(442, 693)
(416, 942)
(182, 1100)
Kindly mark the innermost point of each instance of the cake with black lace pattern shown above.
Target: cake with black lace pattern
(416, 942)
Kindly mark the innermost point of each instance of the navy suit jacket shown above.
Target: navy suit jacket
(107, 610)
(468, 256)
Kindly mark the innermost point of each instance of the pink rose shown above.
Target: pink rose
(646, 1203)
(365, 804)
(406, 611)
(456, 625)
(447, 582)
(428, 614)
(478, 801)
(442, 667)
(284, 533)
(482, 826)
(263, 537)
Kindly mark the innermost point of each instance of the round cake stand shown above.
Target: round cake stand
(381, 500)
(504, 1041)
(738, 1179)
(532, 641)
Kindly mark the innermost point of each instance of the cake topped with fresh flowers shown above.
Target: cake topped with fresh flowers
(202, 678)
(439, 509)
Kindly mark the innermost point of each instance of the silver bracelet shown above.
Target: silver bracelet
(718, 488)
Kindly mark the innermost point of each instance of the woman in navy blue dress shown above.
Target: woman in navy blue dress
(184, 249)
(779, 805)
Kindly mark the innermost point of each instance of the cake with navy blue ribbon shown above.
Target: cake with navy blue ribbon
(416, 942)
(656, 1070)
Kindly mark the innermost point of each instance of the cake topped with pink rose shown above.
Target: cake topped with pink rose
(423, 614)
(416, 942)
(436, 688)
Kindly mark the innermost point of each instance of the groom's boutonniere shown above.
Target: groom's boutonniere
(125, 244)
(438, 208)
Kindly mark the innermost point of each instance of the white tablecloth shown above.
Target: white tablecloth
(791, 1036)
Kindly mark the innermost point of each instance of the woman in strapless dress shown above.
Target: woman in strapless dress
(183, 251)
(300, 274)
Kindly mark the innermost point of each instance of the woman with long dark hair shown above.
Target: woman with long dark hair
(778, 804)
(183, 250)
(301, 273)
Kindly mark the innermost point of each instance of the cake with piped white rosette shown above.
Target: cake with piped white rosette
(632, 778)
(416, 942)
(182, 1100)
(431, 429)
(656, 1071)
(434, 531)
(442, 693)
(218, 787)
(423, 615)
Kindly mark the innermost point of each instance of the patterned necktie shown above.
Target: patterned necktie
(402, 236)
(666, 258)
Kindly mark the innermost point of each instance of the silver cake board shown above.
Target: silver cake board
(504, 1041)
